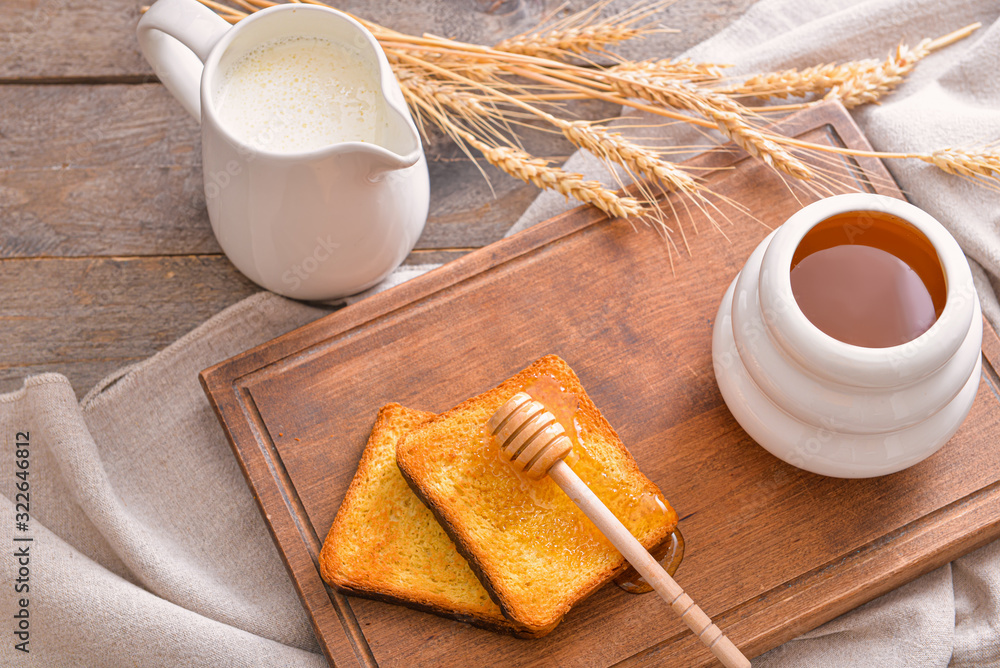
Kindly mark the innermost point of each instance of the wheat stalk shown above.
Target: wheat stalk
(583, 32)
(537, 171)
(610, 147)
(728, 115)
(722, 113)
(464, 103)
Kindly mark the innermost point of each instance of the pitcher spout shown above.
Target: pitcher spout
(398, 148)
(399, 136)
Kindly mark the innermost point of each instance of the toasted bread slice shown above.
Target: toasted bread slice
(385, 544)
(529, 544)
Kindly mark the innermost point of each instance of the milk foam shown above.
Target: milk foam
(298, 94)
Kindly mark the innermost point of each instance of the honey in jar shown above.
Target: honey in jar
(869, 279)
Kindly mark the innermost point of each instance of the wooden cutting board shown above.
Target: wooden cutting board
(772, 551)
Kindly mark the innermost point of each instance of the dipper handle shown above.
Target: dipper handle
(534, 442)
(649, 568)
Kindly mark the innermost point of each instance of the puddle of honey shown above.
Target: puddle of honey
(525, 510)
(670, 555)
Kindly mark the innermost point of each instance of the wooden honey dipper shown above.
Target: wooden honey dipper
(534, 442)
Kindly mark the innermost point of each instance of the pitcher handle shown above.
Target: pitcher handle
(176, 37)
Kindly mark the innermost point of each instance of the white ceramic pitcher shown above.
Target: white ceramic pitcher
(315, 225)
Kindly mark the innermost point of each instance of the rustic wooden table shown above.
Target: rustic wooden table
(106, 252)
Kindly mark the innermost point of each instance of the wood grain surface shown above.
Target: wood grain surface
(100, 167)
(772, 551)
(53, 40)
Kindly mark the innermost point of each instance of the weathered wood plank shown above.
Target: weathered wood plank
(87, 317)
(53, 39)
(47, 39)
(88, 170)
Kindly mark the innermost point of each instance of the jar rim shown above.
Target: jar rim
(844, 362)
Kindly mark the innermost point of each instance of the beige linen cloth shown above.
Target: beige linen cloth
(148, 549)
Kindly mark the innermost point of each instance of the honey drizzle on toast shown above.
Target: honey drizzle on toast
(574, 534)
(547, 391)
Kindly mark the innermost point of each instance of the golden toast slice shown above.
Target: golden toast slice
(531, 547)
(385, 544)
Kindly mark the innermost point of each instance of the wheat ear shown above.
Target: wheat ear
(854, 83)
(460, 68)
(666, 69)
(557, 43)
(975, 164)
(583, 32)
(728, 115)
(537, 171)
(612, 147)
(814, 80)
(870, 84)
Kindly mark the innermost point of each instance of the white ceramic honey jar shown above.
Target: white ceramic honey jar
(832, 407)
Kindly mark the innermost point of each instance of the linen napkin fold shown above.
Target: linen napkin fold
(148, 549)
